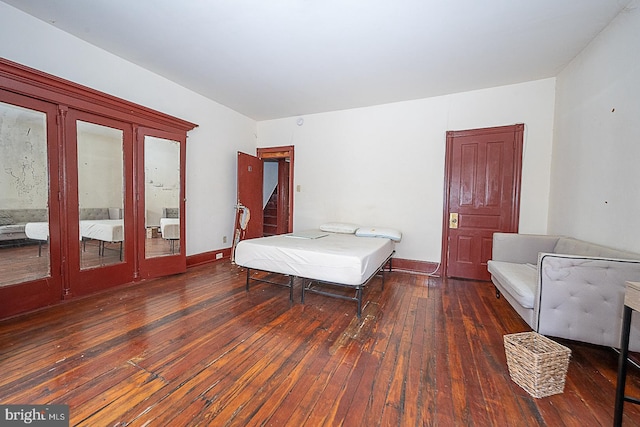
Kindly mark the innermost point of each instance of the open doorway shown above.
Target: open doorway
(277, 189)
(254, 195)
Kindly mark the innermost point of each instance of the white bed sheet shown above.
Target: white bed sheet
(108, 230)
(170, 228)
(337, 258)
(37, 230)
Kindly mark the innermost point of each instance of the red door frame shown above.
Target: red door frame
(169, 264)
(284, 154)
(48, 290)
(87, 281)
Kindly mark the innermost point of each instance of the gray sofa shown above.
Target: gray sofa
(564, 287)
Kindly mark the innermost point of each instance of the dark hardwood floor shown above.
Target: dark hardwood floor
(197, 349)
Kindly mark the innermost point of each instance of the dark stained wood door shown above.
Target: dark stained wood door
(250, 178)
(483, 169)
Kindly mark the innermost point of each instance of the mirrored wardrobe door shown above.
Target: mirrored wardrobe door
(30, 229)
(162, 196)
(99, 165)
(100, 194)
(161, 157)
(24, 195)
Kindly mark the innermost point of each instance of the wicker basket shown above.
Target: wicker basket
(536, 363)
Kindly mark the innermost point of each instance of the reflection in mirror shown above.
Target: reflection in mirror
(100, 194)
(24, 195)
(162, 196)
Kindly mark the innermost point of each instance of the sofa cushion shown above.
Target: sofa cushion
(570, 246)
(520, 280)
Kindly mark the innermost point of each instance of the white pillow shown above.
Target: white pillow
(388, 233)
(339, 227)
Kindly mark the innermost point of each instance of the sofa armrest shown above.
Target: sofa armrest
(521, 248)
(581, 298)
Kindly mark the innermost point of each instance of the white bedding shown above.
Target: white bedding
(337, 258)
(107, 230)
(170, 228)
(37, 230)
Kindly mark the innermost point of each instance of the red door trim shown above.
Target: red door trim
(282, 153)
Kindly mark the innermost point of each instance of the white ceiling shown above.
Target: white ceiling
(281, 58)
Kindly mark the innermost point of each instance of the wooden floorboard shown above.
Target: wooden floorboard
(197, 349)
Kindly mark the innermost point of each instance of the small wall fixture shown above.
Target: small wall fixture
(300, 121)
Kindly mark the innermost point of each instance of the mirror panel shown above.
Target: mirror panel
(162, 196)
(24, 195)
(100, 194)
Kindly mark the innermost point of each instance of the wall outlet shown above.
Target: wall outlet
(224, 239)
(219, 255)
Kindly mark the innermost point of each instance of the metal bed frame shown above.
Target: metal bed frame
(314, 284)
(286, 285)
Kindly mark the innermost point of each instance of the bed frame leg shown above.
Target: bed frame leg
(291, 289)
(247, 284)
(303, 288)
(359, 296)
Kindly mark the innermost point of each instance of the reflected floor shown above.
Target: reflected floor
(157, 246)
(21, 263)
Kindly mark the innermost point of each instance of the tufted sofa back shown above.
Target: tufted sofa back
(22, 216)
(571, 246)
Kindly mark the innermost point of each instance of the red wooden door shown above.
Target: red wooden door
(172, 258)
(250, 177)
(483, 192)
(88, 273)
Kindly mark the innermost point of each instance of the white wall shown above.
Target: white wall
(211, 148)
(162, 178)
(384, 165)
(23, 159)
(269, 181)
(100, 166)
(595, 170)
(381, 165)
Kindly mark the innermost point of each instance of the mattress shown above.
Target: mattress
(37, 230)
(108, 230)
(170, 228)
(335, 257)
